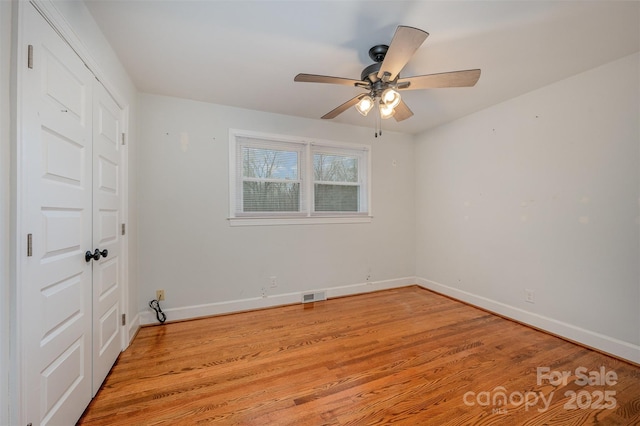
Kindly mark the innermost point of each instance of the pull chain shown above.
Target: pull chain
(378, 122)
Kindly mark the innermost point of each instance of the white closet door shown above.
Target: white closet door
(69, 310)
(54, 318)
(107, 219)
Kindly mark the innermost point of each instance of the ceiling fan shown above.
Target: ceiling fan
(382, 79)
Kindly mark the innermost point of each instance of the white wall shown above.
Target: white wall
(541, 192)
(5, 189)
(188, 248)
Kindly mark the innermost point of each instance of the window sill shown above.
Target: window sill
(307, 220)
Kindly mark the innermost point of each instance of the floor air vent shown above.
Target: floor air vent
(314, 297)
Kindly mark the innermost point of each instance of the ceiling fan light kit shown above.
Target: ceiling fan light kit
(382, 79)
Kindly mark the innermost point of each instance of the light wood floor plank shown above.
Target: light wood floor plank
(403, 356)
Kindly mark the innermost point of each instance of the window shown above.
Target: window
(336, 186)
(280, 180)
(271, 178)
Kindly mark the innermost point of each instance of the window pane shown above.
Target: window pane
(336, 198)
(271, 197)
(335, 168)
(265, 163)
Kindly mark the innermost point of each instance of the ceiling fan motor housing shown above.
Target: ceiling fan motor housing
(370, 73)
(377, 54)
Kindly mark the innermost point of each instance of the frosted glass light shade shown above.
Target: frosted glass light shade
(365, 105)
(390, 97)
(386, 111)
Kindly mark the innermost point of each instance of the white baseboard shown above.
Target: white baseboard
(571, 332)
(197, 311)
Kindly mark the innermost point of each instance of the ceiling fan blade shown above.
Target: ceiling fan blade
(466, 78)
(313, 78)
(402, 111)
(405, 42)
(342, 108)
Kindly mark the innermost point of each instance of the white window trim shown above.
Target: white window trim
(307, 217)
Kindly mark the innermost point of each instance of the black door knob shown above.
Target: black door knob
(95, 255)
(88, 255)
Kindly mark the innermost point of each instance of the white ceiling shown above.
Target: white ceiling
(246, 53)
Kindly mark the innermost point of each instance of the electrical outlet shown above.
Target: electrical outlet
(160, 295)
(264, 292)
(529, 295)
(273, 282)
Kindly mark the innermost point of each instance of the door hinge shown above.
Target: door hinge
(30, 56)
(124, 319)
(29, 245)
(123, 231)
(123, 139)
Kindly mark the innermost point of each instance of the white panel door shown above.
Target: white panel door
(69, 305)
(55, 293)
(107, 217)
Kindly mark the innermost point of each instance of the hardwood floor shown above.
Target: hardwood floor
(405, 356)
